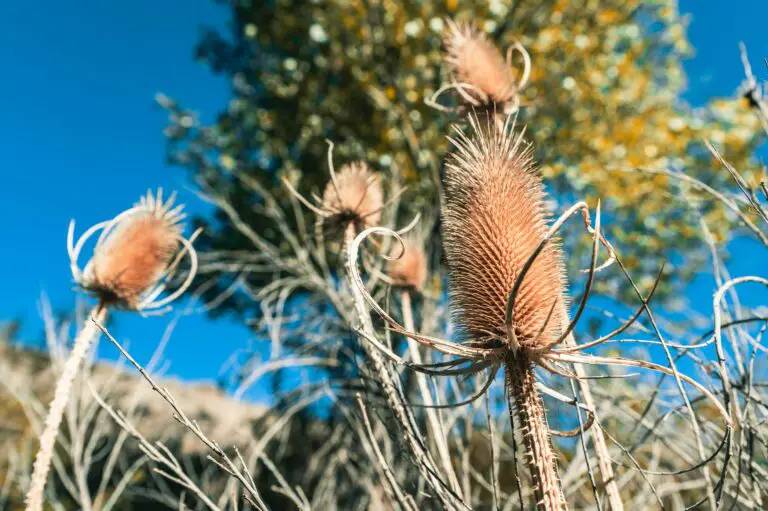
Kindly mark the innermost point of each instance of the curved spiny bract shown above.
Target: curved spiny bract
(474, 60)
(494, 218)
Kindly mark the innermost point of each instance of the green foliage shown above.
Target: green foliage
(604, 98)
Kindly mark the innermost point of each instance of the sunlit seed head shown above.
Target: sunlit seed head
(134, 258)
(494, 217)
(473, 59)
(410, 269)
(355, 198)
(133, 253)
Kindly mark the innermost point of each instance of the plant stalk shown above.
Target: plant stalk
(89, 332)
(389, 385)
(438, 435)
(598, 438)
(528, 416)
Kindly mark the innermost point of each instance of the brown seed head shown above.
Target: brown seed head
(410, 269)
(474, 60)
(494, 218)
(356, 197)
(133, 258)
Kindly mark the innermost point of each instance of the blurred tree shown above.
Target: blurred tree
(604, 95)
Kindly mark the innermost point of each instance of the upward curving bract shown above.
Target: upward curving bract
(494, 218)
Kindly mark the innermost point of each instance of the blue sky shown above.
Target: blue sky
(80, 136)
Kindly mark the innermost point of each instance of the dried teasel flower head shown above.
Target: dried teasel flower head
(353, 196)
(407, 267)
(135, 255)
(479, 72)
(494, 218)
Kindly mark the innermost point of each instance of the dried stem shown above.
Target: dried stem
(527, 413)
(435, 425)
(389, 386)
(89, 332)
(598, 438)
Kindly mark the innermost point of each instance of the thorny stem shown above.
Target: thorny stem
(527, 413)
(89, 332)
(389, 386)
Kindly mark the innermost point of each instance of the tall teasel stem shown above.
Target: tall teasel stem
(530, 420)
(407, 270)
(353, 200)
(436, 429)
(84, 340)
(598, 438)
(389, 385)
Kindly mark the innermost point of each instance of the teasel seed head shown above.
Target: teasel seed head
(134, 255)
(354, 196)
(494, 218)
(407, 267)
(474, 60)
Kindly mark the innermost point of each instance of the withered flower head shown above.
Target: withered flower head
(474, 60)
(494, 219)
(134, 255)
(354, 196)
(409, 270)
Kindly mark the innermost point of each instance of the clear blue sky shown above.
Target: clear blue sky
(81, 137)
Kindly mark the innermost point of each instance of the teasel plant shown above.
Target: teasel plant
(135, 258)
(483, 78)
(509, 293)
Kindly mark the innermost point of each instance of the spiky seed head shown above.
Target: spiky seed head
(410, 269)
(356, 197)
(473, 59)
(494, 218)
(135, 254)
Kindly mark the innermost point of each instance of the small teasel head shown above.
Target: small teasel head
(135, 255)
(494, 218)
(353, 196)
(479, 73)
(407, 266)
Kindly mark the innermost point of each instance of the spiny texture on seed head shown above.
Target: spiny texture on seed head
(494, 218)
(410, 269)
(135, 255)
(356, 197)
(475, 60)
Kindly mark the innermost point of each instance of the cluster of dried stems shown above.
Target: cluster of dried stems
(416, 411)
